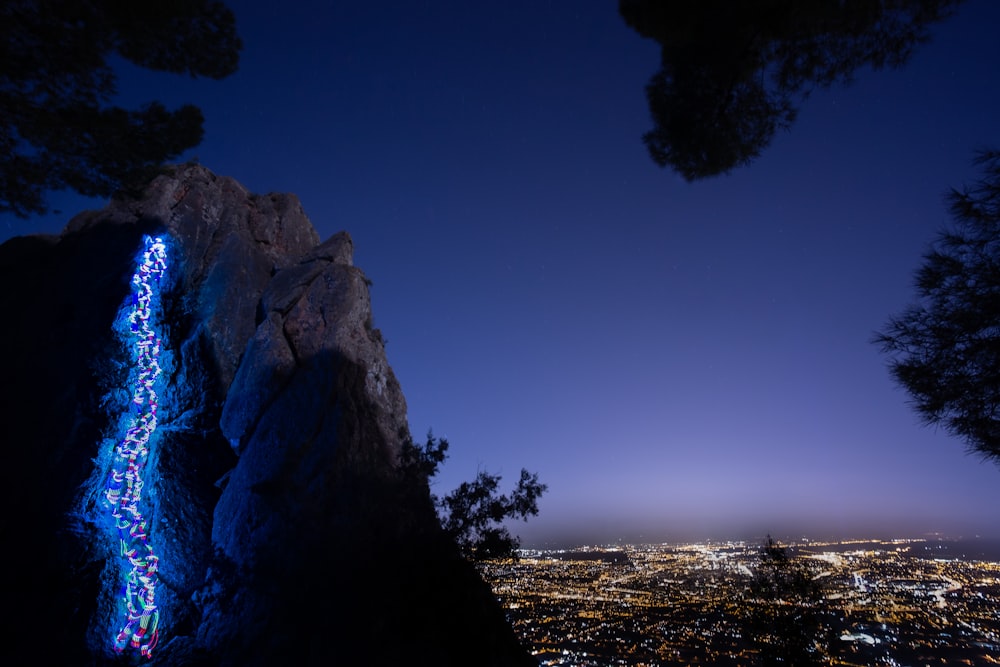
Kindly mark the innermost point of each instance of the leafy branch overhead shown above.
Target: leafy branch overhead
(473, 515)
(57, 128)
(733, 73)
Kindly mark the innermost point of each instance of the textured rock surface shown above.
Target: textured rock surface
(286, 532)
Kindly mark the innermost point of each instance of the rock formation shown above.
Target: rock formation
(286, 530)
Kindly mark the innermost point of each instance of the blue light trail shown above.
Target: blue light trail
(123, 495)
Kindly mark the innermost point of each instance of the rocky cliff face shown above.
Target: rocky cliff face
(284, 528)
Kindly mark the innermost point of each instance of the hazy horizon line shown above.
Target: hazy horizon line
(576, 537)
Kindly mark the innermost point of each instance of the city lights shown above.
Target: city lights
(123, 494)
(885, 602)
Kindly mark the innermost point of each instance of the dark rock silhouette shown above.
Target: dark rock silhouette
(286, 531)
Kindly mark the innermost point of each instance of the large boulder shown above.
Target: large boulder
(286, 530)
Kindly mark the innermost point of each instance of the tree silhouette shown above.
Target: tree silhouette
(783, 609)
(57, 130)
(945, 349)
(733, 72)
(474, 513)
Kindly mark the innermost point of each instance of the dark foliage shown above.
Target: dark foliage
(733, 73)
(56, 128)
(473, 514)
(784, 609)
(423, 462)
(946, 348)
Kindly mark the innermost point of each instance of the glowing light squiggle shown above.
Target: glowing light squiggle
(123, 494)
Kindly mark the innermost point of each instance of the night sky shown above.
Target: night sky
(675, 360)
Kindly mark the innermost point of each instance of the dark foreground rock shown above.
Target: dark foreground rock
(287, 532)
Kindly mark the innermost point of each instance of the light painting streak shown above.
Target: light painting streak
(123, 495)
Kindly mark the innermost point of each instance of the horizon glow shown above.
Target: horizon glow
(123, 495)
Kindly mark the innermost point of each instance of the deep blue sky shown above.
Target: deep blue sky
(675, 360)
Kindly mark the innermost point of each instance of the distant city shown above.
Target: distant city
(883, 602)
